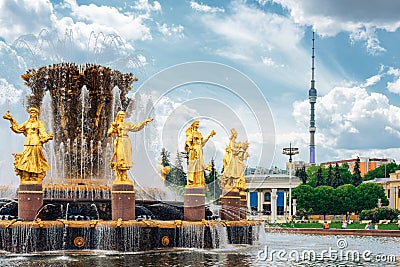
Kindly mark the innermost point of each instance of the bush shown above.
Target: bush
(300, 213)
(378, 214)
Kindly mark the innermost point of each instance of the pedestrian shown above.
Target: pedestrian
(325, 225)
(344, 224)
(376, 227)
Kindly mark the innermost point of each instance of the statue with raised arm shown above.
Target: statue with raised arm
(121, 160)
(194, 147)
(30, 165)
(233, 160)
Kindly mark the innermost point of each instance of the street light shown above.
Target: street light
(290, 151)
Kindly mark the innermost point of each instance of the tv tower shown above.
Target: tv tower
(312, 95)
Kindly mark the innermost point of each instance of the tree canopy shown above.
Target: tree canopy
(340, 200)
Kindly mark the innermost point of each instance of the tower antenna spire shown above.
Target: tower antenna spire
(312, 96)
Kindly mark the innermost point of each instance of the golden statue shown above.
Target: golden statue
(165, 170)
(194, 146)
(235, 154)
(31, 164)
(121, 161)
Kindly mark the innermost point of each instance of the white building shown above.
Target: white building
(268, 192)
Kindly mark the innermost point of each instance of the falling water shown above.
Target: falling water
(106, 237)
(68, 155)
(91, 159)
(132, 236)
(75, 158)
(62, 160)
(219, 236)
(107, 170)
(116, 104)
(83, 158)
(46, 118)
(97, 211)
(84, 112)
(258, 234)
(191, 236)
(66, 211)
(99, 158)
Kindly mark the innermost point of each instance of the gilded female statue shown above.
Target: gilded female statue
(194, 146)
(122, 144)
(235, 154)
(31, 164)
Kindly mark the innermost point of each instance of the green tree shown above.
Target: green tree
(356, 177)
(304, 195)
(337, 178)
(346, 198)
(302, 174)
(312, 175)
(382, 171)
(165, 161)
(378, 214)
(324, 200)
(212, 181)
(329, 176)
(345, 173)
(367, 195)
(320, 177)
(178, 174)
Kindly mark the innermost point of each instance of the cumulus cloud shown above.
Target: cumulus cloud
(394, 87)
(21, 17)
(110, 20)
(146, 6)
(8, 93)
(359, 18)
(353, 119)
(205, 8)
(171, 31)
(372, 80)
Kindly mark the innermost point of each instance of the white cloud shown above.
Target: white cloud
(372, 43)
(353, 119)
(205, 8)
(360, 18)
(372, 80)
(394, 87)
(8, 93)
(394, 72)
(262, 40)
(171, 31)
(19, 17)
(109, 20)
(146, 6)
(350, 121)
(269, 61)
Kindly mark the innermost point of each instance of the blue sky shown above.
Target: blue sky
(269, 41)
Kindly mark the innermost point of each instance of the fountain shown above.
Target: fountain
(83, 205)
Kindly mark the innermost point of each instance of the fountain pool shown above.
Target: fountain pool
(227, 255)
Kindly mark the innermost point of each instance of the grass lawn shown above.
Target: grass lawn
(338, 225)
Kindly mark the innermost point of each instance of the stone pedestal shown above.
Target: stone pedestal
(30, 200)
(122, 202)
(243, 205)
(194, 203)
(231, 205)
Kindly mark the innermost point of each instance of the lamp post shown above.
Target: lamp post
(290, 151)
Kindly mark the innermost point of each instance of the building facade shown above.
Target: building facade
(268, 193)
(392, 188)
(366, 164)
